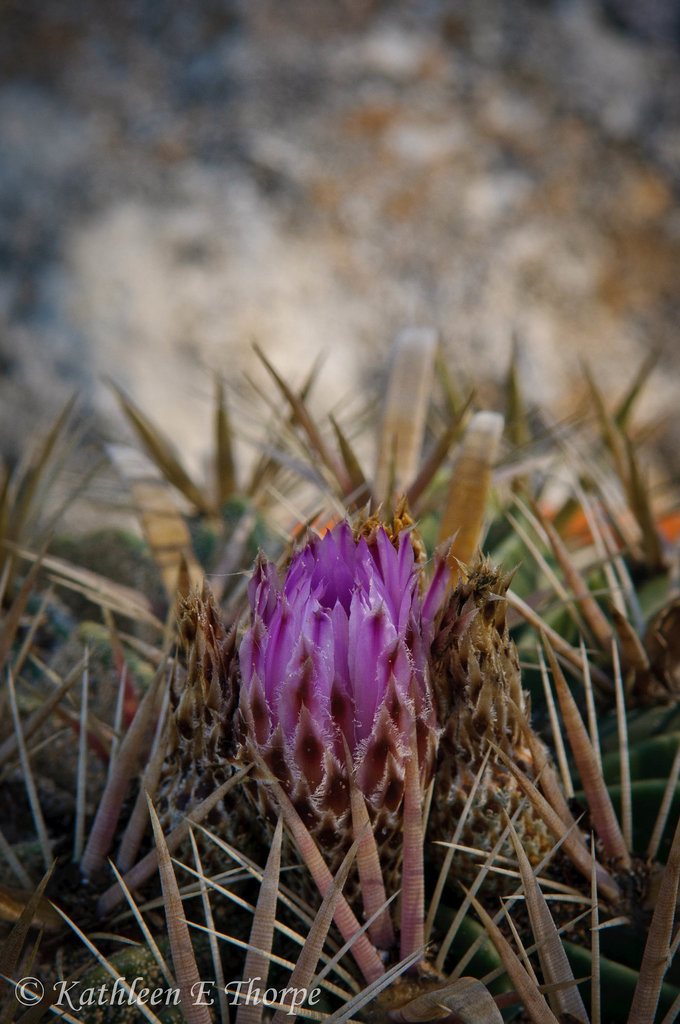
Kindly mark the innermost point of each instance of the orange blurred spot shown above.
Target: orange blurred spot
(299, 529)
(669, 526)
(577, 530)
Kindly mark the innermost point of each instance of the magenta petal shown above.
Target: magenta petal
(252, 650)
(340, 626)
(387, 563)
(308, 683)
(334, 571)
(317, 636)
(317, 628)
(346, 546)
(298, 582)
(280, 643)
(408, 611)
(435, 595)
(399, 666)
(371, 635)
(342, 715)
(383, 744)
(256, 712)
(262, 589)
(308, 747)
(408, 578)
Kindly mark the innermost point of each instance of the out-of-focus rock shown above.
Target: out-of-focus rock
(176, 182)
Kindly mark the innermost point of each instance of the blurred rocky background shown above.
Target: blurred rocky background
(178, 180)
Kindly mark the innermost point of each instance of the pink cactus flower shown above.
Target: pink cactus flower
(337, 652)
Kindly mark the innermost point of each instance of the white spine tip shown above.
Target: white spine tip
(490, 424)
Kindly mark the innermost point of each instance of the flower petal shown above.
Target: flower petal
(372, 635)
(307, 683)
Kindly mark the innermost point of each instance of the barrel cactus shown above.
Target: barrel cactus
(362, 730)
